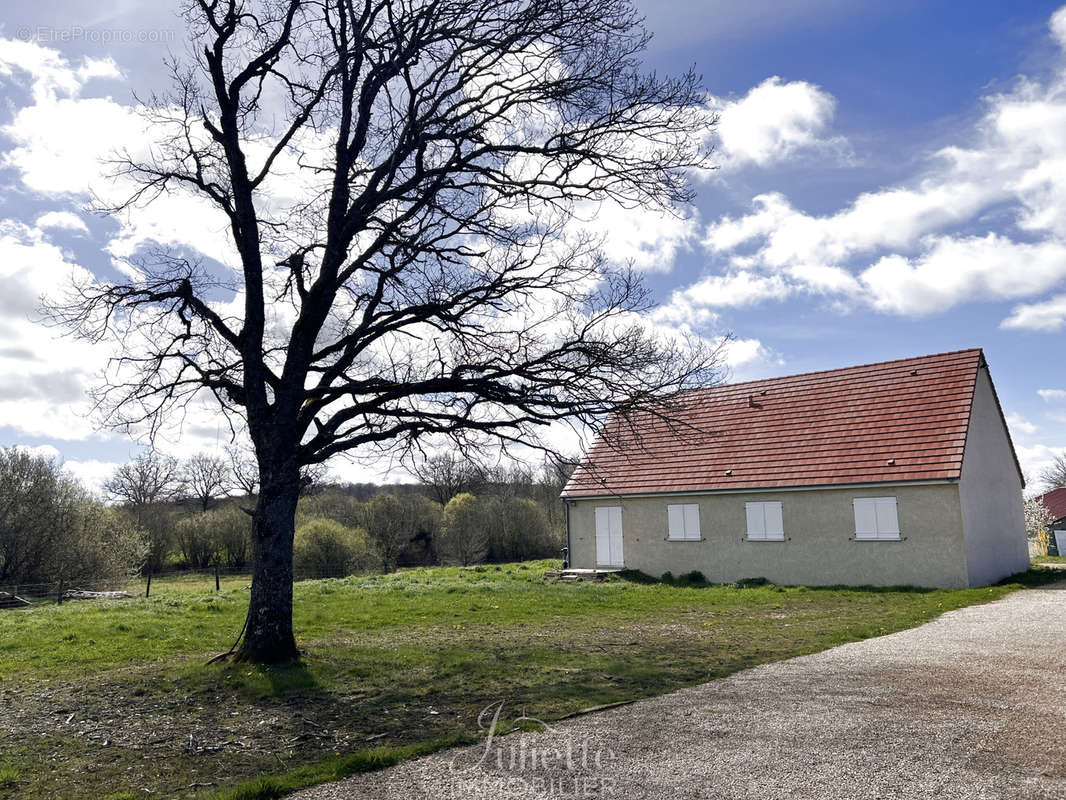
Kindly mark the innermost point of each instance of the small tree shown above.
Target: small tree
(147, 480)
(394, 521)
(105, 543)
(1037, 522)
(325, 548)
(464, 535)
(521, 530)
(205, 478)
(1054, 476)
(52, 529)
(447, 474)
(144, 486)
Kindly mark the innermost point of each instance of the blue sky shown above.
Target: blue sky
(889, 185)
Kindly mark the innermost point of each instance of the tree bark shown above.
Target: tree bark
(268, 635)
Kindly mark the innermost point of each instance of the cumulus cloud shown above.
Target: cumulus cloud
(773, 122)
(926, 244)
(1047, 315)
(91, 473)
(63, 145)
(63, 220)
(1019, 424)
(1052, 395)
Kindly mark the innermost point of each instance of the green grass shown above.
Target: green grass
(394, 666)
(330, 769)
(1050, 560)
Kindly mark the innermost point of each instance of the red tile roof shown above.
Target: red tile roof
(1055, 502)
(900, 420)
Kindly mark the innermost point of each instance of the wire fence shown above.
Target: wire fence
(24, 594)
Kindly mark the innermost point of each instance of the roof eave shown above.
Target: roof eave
(812, 487)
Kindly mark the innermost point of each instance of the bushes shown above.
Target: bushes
(519, 531)
(464, 528)
(494, 529)
(393, 522)
(222, 535)
(325, 548)
(52, 529)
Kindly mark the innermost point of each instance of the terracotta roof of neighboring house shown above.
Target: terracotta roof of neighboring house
(900, 420)
(1055, 502)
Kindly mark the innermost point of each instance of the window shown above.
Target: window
(684, 521)
(764, 522)
(875, 518)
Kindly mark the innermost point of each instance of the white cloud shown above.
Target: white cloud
(954, 270)
(52, 74)
(927, 244)
(64, 146)
(1035, 459)
(1052, 395)
(648, 238)
(1047, 315)
(1058, 26)
(774, 121)
(63, 220)
(745, 352)
(740, 289)
(1018, 424)
(92, 473)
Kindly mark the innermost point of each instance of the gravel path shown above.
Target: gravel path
(971, 705)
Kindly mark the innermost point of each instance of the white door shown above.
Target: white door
(609, 536)
(1060, 542)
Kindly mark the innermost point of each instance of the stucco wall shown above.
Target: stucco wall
(991, 494)
(819, 547)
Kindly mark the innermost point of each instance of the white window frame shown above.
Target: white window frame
(876, 519)
(765, 521)
(683, 522)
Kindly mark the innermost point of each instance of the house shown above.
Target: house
(1055, 502)
(896, 473)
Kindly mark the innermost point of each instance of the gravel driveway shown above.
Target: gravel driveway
(972, 705)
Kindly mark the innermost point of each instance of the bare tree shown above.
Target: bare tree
(206, 478)
(1054, 476)
(144, 485)
(243, 470)
(447, 474)
(428, 280)
(145, 481)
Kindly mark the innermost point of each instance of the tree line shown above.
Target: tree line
(160, 514)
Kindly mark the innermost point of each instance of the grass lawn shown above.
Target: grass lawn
(112, 699)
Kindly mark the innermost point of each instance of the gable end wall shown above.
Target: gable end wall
(990, 492)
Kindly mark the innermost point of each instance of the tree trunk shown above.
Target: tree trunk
(268, 636)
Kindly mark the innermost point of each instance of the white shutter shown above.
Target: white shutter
(616, 536)
(865, 518)
(756, 520)
(676, 517)
(692, 521)
(887, 519)
(775, 528)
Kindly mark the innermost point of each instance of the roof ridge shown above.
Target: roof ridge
(835, 369)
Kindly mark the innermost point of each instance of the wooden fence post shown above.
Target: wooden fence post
(216, 577)
(148, 588)
(59, 596)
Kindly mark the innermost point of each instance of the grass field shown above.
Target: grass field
(114, 700)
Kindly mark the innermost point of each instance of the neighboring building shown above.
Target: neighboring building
(897, 473)
(1055, 502)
